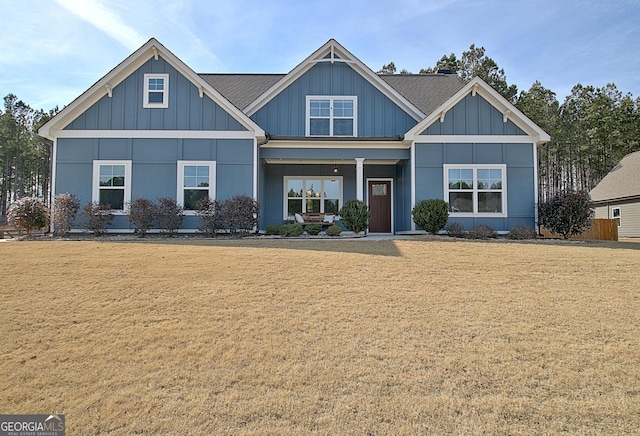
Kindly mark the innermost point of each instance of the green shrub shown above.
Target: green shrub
(456, 230)
(65, 209)
(355, 216)
(313, 229)
(274, 229)
(521, 233)
(483, 231)
(141, 213)
(334, 230)
(567, 214)
(169, 215)
(432, 215)
(28, 213)
(291, 230)
(98, 217)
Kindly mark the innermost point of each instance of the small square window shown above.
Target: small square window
(156, 91)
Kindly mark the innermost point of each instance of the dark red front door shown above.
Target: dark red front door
(380, 206)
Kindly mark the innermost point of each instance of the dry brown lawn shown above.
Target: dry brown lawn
(322, 337)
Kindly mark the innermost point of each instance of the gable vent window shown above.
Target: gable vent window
(331, 116)
(156, 90)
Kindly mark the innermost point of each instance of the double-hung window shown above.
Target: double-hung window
(196, 180)
(478, 190)
(616, 215)
(112, 183)
(332, 116)
(317, 194)
(156, 91)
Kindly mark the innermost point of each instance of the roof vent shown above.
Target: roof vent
(445, 72)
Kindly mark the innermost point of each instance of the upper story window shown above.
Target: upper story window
(112, 183)
(478, 190)
(332, 116)
(156, 91)
(196, 180)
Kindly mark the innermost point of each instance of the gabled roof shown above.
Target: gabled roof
(102, 87)
(242, 89)
(623, 181)
(332, 51)
(479, 86)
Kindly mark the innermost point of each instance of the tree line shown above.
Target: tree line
(591, 131)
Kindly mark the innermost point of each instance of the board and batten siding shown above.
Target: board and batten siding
(124, 109)
(378, 116)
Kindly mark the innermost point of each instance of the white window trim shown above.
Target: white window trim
(617, 218)
(331, 98)
(285, 212)
(180, 180)
(95, 194)
(475, 191)
(165, 91)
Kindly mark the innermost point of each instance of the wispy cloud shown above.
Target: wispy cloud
(100, 16)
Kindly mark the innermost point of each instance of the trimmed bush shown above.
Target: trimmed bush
(522, 233)
(334, 230)
(240, 214)
(169, 215)
(141, 213)
(274, 230)
(313, 229)
(65, 209)
(98, 218)
(456, 230)
(567, 214)
(28, 213)
(210, 215)
(482, 231)
(355, 216)
(432, 215)
(291, 230)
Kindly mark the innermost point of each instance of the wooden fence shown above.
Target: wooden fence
(601, 229)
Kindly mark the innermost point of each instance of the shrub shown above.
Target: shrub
(274, 229)
(141, 213)
(210, 216)
(355, 216)
(291, 230)
(65, 209)
(169, 215)
(482, 231)
(240, 214)
(456, 230)
(28, 213)
(98, 217)
(313, 229)
(521, 233)
(334, 230)
(567, 213)
(432, 215)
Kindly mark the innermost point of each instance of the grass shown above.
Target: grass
(322, 337)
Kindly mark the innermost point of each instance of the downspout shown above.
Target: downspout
(257, 167)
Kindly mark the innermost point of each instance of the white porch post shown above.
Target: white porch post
(360, 178)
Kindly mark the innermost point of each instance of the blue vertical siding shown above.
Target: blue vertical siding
(186, 111)
(378, 116)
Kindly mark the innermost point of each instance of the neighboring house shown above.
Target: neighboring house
(617, 196)
(329, 131)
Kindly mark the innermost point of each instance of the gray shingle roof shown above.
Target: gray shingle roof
(621, 182)
(425, 91)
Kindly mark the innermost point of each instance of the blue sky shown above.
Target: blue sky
(53, 50)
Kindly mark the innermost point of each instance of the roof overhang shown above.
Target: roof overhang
(104, 86)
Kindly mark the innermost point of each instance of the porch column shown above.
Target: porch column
(360, 178)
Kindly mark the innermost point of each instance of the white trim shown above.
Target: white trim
(359, 178)
(331, 117)
(395, 145)
(180, 180)
(617, 218)
(255, 169)
(157, 134)
(478, 139)
(285, 205)
(95, 191)
(165, 91)
(382, 179)
(475, 167)
(54, 158)
(413, 182)
(536, 193)
(332, 46)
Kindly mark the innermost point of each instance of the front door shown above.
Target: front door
(380, 206)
